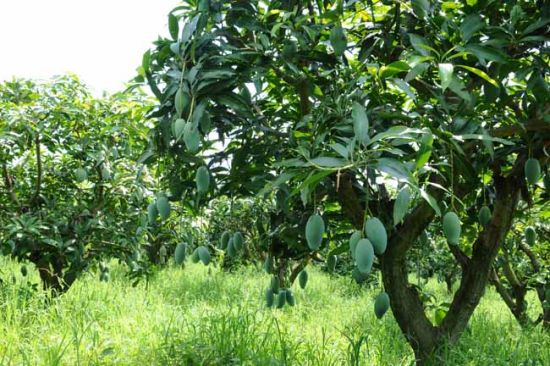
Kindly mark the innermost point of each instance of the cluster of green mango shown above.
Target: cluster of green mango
(274, 294)
(362, 249)
(232, 243)
(103, 272)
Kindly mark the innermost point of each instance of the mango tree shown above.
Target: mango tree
(70, 196)
(395, 115)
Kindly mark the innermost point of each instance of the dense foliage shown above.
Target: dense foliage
(72, 194)
(389, 117)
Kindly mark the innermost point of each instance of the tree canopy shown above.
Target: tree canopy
(416, 114)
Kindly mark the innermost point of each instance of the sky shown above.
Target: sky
(102, 41)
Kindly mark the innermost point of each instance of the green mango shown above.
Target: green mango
(195, 258)
(381, 304)
(358, 276)
(353, 240)
(452, 227)
(530, 235)
(268, 264)
(163, 207)
(179, 254)
(225, 240)
(181, 101)
(376, 233)
(269, 297)
(290, 297)
(484, 216)
(231, 251)
(364, 256)
(238, 241)
(204, 255)
(303, 278)
(281, 299)
(315, 228)
(80, 174)
(202, 179)
(532, 170)
(152, 213)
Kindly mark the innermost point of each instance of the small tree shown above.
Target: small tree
(397, 114)
(69, 195)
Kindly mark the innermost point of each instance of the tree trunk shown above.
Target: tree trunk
(425, 339)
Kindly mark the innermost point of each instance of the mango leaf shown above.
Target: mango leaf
(402, 132)
(405, 87)
(482, 137)
(431, 201)
(328, 162)
(471, 25)
(421, 8)
(393, 69)
(425, 151)
(340, 149)
(394, 168)
(401, 204)
(360, 123)
(146, 61)
(173, 26)
(420, 44)
(338, 40)
(481, 74)
(484, 53)
(446, 75)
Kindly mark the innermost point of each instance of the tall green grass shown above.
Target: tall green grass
(201, 316)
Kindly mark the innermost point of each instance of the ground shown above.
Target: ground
(202, 316)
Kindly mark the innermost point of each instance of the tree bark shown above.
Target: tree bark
(424, 338)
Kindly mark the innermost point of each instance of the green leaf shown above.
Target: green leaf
(471, 25)
(446, 75)
(401, 205)
(340, 149)
(393, 69)
(360, 123)
(420, 44)
(394, 168)
(425, 151)
(405, 87)
(338, 40)
(173, 26)
(431, 201)
(481, 74)
(328, 162)
(179, 127)
(482, 137)
(421, 8)
(484, 53)
(146, 61)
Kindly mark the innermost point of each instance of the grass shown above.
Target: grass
(201, 316)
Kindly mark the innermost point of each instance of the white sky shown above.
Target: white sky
(101, 41)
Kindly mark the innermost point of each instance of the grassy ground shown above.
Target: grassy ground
(200, 316)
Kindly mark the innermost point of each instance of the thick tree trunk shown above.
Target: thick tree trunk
(425, 339)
